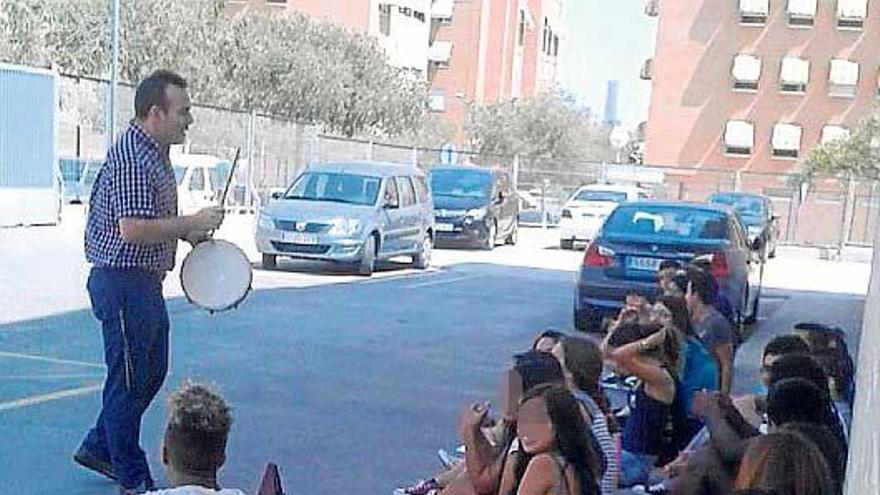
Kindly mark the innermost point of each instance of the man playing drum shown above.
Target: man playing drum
(131, 241)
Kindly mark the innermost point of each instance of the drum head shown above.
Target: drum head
(216, 275)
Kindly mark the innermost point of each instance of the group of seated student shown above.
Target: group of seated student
(681, 432)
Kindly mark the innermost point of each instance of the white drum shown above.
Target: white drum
(216, 275)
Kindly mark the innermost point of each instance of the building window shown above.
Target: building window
(739, 138)
(843, 78)
(795, 75)
(746, 72)
(405, 11)
(546, 39)
(437, 101)
(276, 2)
(439, 54)
(786, 140)
(801, 13)
(419, 16)
(521, 29)
(441, 11)
(831, 133)
(851, 14)
(385, 19)
(754, 12)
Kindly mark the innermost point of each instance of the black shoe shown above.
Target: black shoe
(89, 461)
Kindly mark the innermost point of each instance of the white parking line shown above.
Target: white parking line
(66, 376)
(434, 283)
(34, 357)
(40, 399)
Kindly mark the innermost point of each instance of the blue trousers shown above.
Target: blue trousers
(134, 320)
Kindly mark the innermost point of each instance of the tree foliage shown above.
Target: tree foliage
(857, 156)
(287, 65)
(550, 126)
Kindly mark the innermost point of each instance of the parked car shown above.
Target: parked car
(586, 210)
(200, 180)
(350, 212)
(474, 206)
(535, 209)
(626, 254)
(756, 213)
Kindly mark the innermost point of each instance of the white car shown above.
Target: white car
(585, 212)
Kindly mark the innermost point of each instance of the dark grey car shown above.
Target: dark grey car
(637, 237)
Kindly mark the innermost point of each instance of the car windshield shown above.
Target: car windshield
(746, 206)
(461, 183)
(593, 195)
(667, 222)
(335, 187)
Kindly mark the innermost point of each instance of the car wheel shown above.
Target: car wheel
(368, 258)
(588, 321)
(422, 259)
(489, 242)
(270, 261)
(566, 244)
(513, 238)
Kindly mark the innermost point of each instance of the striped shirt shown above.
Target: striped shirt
(607, 443)
(136, 181)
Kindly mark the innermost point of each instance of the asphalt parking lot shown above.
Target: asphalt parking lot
(347, 383)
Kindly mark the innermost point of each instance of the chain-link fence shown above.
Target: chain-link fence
(274, 151)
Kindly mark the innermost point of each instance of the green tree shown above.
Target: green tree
(857, 156)
(550, 126)
(286, 65)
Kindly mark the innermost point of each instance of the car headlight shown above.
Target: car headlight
(344, 227)
(477, 213)
(266, 221)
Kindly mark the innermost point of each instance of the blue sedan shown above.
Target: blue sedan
(637, 237)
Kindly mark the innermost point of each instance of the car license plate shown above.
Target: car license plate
(646, 264)
(300, 238)
(445, 227)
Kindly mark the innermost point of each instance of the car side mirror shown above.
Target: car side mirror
(277, 195)
(499, 199)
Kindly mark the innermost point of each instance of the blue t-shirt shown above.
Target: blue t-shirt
(714, 329)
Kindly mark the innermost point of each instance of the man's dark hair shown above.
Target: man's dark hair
(786, 344)
(151, 91)
(665, 264)
(796, 399)
(703, 285)
(198, 426)
(799, 366)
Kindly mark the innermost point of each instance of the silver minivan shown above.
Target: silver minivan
(350, 212)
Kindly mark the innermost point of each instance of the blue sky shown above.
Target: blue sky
(608, 39)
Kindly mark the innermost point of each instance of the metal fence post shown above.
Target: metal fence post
(848, 212)
(251, 143)
(370, 149)
(415, 156)
(516, 172)
(737, 181)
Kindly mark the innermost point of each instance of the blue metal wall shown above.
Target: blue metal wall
(27, 128)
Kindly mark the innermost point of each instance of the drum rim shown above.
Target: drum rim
(247, 290)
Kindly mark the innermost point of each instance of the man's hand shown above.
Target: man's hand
(197, 237)
(208, 218)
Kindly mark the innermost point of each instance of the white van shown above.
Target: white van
(200, 180)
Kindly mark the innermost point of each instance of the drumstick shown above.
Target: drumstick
(229, 179)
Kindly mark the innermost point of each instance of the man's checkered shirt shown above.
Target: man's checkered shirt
(136, 181)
